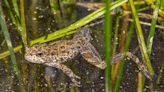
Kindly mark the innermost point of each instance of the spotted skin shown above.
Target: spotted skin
(55, 53)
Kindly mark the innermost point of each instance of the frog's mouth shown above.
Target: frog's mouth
(33, 59)
(28, 58)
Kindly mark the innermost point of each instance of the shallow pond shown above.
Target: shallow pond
(41, 21)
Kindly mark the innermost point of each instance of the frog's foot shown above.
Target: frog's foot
(102, 65)
(75, 81)
(67, 71)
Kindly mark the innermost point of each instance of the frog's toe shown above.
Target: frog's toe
(76, 83)
(77, 77)
(101, 65)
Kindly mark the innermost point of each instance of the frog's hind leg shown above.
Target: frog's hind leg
(67, 71)
(140, 65)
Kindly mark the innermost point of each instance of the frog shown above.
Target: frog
(55, 53)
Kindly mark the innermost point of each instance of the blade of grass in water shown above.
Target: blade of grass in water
(115, 43)
(8, 41)
(120, 72)
(141, 40)
(21, 28)
(70, 29)
(108, 33)
(9, 44)
(23, 23)
(14, 19)
(16, 7)
(79, 23)
(142, 46)
(55, 8)
(152, 28)
(152, 31)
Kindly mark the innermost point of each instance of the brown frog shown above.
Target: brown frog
(55, 53)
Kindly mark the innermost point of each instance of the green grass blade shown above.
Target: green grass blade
(108, 33)
(15, 20)
(16, 7)
(142, 46)
(70, 29)
(119, 76)
(55, 9)
(120, 72)
(54, 6)
(79, 23)
(141, 40)
(162, 5)
(10, 47)
(152, 28)
(8, 41)
(23, 23)
(114, 46)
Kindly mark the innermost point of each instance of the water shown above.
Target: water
(39, 78)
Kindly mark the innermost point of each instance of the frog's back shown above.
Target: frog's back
(58, 51)
(64, 50)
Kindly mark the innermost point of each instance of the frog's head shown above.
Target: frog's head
(34, 54)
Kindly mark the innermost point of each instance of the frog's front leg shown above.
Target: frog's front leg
(65, 70)
(90, 54)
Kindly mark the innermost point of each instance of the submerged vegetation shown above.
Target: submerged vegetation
(128, 25)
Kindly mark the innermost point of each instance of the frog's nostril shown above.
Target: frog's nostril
(78, 47)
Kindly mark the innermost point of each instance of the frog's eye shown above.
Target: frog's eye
(40, 54)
